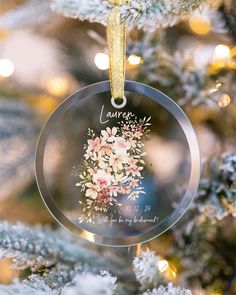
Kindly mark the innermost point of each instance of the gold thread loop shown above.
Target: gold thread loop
(116, 36)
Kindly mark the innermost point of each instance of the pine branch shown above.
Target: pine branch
(16, 146)
(199, 242)
(67, 267)
(92, 284)
(169, 290)
(178, 75)
(148, 14)
(27, 13)
(146, 269)
(34, 285)
(217, 193)
(39, 247)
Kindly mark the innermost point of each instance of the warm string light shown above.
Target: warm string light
(138, 249)
(101, 60)
(56, 86)
(171, 273)
(45, 104)
(224, 100)
(233, 51)
(6, 68)
(134, 60)
(200, 24)
(223, 57)
(163, 265)
(221, 52)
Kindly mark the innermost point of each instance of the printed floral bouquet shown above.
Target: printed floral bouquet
(112, 167)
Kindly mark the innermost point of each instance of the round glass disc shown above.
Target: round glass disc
(118, 173)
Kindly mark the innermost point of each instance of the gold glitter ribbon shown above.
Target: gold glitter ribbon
(116, 36)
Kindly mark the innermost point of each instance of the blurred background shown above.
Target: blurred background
(45, 57)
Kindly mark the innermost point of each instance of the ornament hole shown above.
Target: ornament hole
(119, 103)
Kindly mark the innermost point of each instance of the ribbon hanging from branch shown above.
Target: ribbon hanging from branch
(116, 36)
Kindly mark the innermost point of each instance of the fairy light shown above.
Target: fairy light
(224, 100)
(221, 52)
(171, 272)
(231, 65)
(139, 249)
(134, 60)
(163, 265)
(45, 104)
(6, 68)
(233, 51)
(101, 61)
(57, 86)
(200, 24)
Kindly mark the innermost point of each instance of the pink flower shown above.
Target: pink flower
(106, 149)
(133, 162)
(139, 132)
(102, 178)
(92, 191)
(132, 143)
(117, 161)
(133, 183)
(109, 134)
(94, 145)
(121, 146)
(125, 190)
(136, 172)
(103, 197)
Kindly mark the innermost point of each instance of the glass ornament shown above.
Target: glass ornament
(118, 173)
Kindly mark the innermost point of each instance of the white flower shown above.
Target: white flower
(121, 146)
(89, 284)
(169, 290)
(102, 178)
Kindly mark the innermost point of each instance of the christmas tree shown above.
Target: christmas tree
(50, 49)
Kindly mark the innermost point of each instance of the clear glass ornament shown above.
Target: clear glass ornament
(118, 173)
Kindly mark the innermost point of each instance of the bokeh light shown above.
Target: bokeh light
(163, 265)
(224, 100)
(221, 52)
(6, 68)
(102, 61)
(200, 24)
(57, 86)
(134, 60)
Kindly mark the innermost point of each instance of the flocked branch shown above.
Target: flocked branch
(148, 14)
